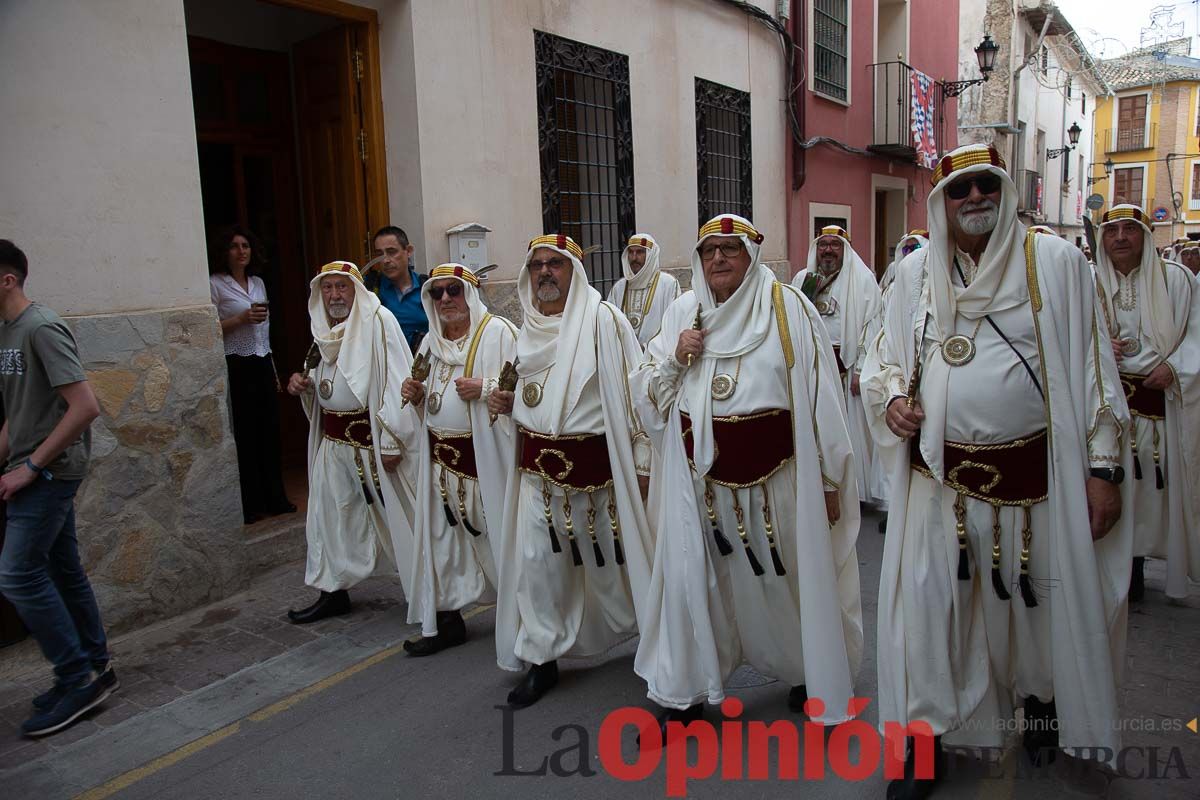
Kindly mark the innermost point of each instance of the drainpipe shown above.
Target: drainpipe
(798, 153)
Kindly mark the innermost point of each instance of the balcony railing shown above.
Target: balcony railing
(1029, 188)
(892, 130)
(1124, 140)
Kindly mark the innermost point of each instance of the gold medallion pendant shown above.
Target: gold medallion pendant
(635, 320)
(434, 403)
(531, 394)
(723, 386)
(326, 388)
(958, 350)
(1131, 347)
(823, 308)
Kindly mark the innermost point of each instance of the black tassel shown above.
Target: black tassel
(450, 520)
(964, 568)
(754, 565)
(723, 544)
(1158, 477)
(576, 556)
(617, 551)
(367, 493)
(598, 553)
(554, 545)
(1137, 467)
(470, 529)
(998, 585)
(1027, 591)
(382, 502)
(779, 570)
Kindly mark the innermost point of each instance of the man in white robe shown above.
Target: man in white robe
(1189, 256)
(1007, 403)
(361, 442)
(882, 457)
(464, 460)
(1152, 310)
(847, 297)
(575, 544)
(755, 496)
(645, 291)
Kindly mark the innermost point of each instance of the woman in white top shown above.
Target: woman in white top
(241, 301)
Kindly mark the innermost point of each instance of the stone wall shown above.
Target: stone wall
(159, 516)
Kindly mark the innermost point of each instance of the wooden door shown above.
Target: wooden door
(329, 115)
(1131, 122)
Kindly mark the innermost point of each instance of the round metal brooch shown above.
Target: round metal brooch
(1131, 346)
(723, 386)
(958, 350)
(531, 395)
(325, 388)
(635, 320)
(434, 403)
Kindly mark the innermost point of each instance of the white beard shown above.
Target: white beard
(978, 224)
(548, 293)
(338, 311)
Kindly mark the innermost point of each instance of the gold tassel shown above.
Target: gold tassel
(775, 559)
(615, 524)
(741, 531)
(1026, 538)
(997, 579)
(554, 545)
(960, 529)
(450, 520)
(723, 545)
(570, 523)
(591, 523)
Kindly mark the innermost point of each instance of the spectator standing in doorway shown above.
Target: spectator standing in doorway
(399, 289)
(45, 444)
(241, 300)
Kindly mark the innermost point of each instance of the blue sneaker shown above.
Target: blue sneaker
(49, 698)
(75, 702)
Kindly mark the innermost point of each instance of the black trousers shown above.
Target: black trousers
(255, 412)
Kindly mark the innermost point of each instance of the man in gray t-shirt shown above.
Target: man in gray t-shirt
(45, 443)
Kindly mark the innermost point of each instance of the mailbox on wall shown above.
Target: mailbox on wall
(468, 244)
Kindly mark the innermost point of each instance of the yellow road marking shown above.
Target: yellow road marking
(127, 779)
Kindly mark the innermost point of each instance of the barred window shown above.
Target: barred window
(585, 141)
(723, 163)
(831, 48)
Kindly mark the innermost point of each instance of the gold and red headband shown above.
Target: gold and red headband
(1135, 214)
(834, 230)
(968, 158)
(918, 232)
(641, 241)
(342, 266)
(728, 226)
(455, 271)
(557, 240)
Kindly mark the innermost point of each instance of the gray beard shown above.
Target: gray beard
(977, 225)
(339, 311)
(548, 293)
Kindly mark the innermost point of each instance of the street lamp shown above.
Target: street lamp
(985, 54)
(1073, 136)
(1108, 168)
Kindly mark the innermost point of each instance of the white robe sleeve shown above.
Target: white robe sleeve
(399, 427)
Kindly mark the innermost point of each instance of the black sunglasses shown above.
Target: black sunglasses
(988, 183)
(454, 290)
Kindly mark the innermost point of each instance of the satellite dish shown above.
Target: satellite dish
(1095, 202)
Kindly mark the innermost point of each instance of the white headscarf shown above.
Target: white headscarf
(441, 347)
(849, 293)
(735, 326)
(348, 343)
(1155, 306)
(921, 237)
(644, 276)
(557, 342)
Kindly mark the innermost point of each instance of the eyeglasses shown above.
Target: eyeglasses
(908, 248)
(728, 249)
(553, 263)
(454, 290)
(987, 183)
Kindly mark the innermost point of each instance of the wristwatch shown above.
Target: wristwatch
(1113, 475)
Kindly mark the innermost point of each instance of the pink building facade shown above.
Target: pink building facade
(858, 164)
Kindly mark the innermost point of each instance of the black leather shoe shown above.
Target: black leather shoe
(329, 604)
(540, 679)
(452, 631)
(1137, 581)
(910, 787)
(681, 715)
(797, 697)
(1040, 738)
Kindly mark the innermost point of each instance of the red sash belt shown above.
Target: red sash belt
(579, 463)
(1143, 402)
(1004, 473)
(747, 450)
(347, 427)
(456, 453)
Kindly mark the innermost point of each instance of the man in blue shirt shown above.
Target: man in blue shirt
(399, 289)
